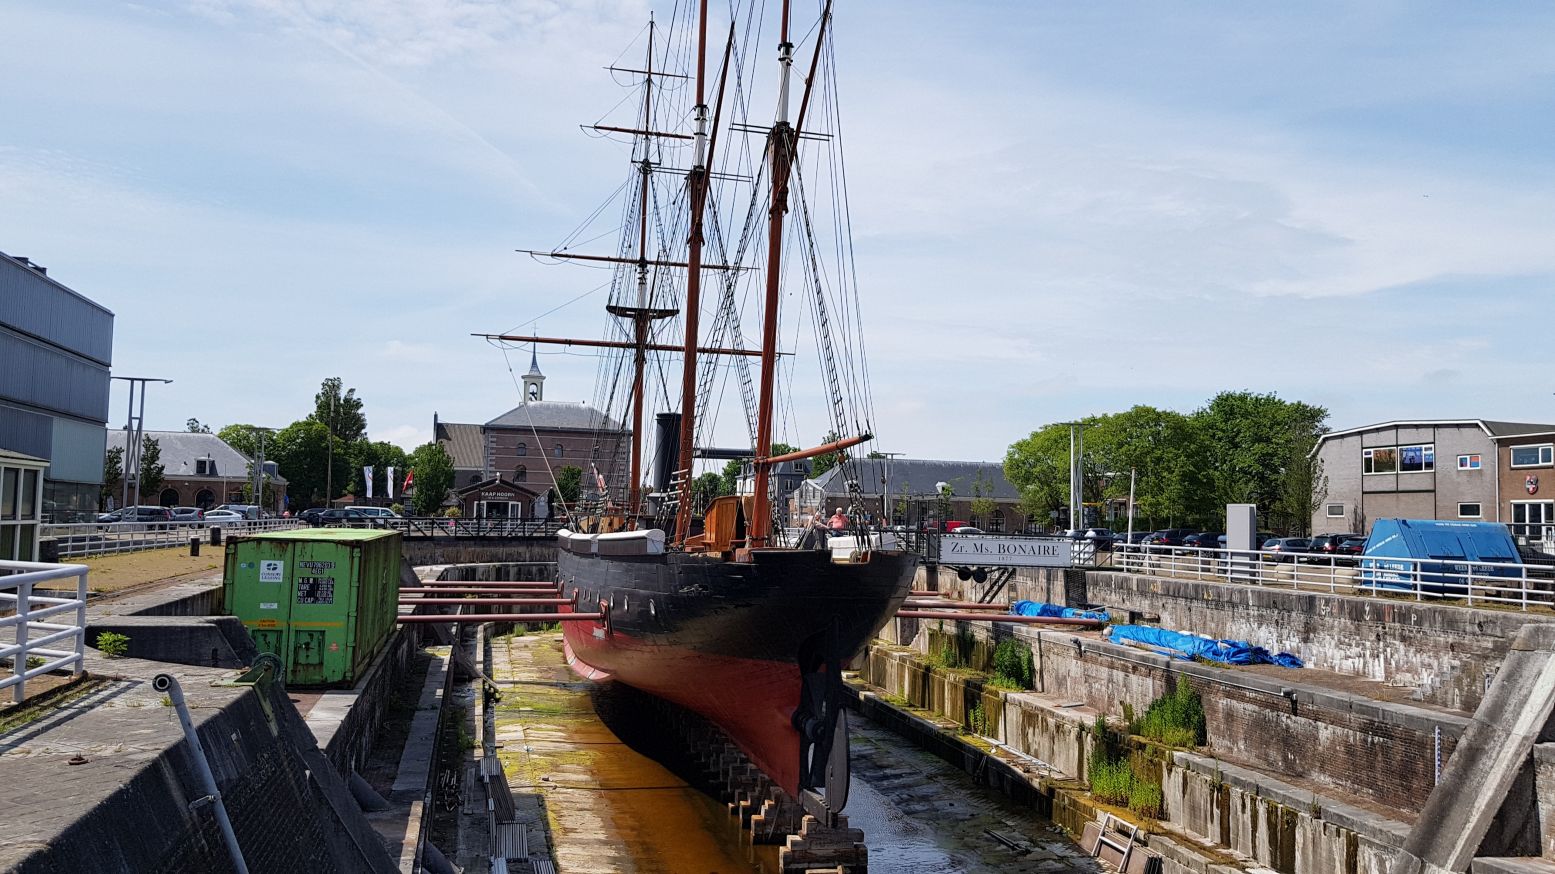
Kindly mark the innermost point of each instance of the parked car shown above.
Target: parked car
(312, 514)
(247, 511)
(137, 514)
(340, 516)
(1285, 549)
(187, 514)
(377, 512)
(1205, 540)
(224, 518)
(1169, 536)
(1325, 545)
(1349, 550)
(1100, 538)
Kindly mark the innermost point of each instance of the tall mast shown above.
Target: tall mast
(780, 147)
(697, 180)
(640, 316)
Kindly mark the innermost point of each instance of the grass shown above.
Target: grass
(977, 721)
(1175, 719)
(1012, 665)
(1114, 780)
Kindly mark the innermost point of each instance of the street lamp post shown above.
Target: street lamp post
(134, 434)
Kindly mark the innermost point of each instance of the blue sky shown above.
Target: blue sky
(1059, 209)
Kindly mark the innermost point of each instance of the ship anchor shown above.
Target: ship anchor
(822, 724)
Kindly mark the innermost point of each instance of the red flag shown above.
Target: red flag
(409, 475)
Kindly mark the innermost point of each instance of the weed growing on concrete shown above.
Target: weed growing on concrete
(977, 721)
(113, 644)
(34, 662)
(943, 656)
(1111, 782)
(1175, 719)
(1012, 664)
(1145, 798)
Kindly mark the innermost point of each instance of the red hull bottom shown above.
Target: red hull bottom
(752, 700)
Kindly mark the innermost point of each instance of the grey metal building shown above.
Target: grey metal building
(56, 348)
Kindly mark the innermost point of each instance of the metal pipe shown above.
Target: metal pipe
(508, 584)
(998, 617)
(536, 602)
(508, 617)
(537, 593)
(953, 605)
(169, 684)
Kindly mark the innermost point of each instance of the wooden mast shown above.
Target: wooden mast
(640, 315)
(780, 147)
(697, 180)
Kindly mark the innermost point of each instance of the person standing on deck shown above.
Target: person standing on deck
(838, 522)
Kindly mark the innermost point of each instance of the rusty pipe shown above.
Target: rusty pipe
(535, 602)
(506, 617)
(466, 591)
(998, 617)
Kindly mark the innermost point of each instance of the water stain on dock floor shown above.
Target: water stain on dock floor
(608, 807)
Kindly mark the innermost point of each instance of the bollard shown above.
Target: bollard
(215, 535)
(194, 544)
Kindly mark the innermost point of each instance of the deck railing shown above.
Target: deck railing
(1476, 583)
(61, 644)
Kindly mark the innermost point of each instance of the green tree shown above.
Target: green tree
(569, 480)
(1167, 454)
(150, 468)
(1038, 465)
(341, 412)
(243, 438)
(822, 463)
(380, 455)
(730, 478)
(1303, 489)
(113, 474)
(194, 427)
(705, 488)
(434, 476)
(300, 452)
(1252, 439)
(982, 504)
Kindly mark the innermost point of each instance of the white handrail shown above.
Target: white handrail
(1473, 582)
(75, 540)
(16, 587)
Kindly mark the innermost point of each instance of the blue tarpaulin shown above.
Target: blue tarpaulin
(1188, 646)
(1037, 608)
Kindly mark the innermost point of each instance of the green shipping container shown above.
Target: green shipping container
(323, 599)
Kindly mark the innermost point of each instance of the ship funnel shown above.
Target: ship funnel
(666, 449)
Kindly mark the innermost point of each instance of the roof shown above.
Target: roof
(463, 443)
(908, 476)
(1492, 429)
(180, 450)
(8, 455)
(332, 535)
(555, 415)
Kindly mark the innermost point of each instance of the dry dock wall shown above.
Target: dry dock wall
(1447, 654)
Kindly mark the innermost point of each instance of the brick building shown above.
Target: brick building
(203, 470)
(1474, 469)
(907, 490)
(530, 443)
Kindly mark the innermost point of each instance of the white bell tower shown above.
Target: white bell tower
(534, 380)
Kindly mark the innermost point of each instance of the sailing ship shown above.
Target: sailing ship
(714, 605)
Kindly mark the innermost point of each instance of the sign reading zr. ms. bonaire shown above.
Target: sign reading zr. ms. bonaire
(988, 551)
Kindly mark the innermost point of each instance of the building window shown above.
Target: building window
(1468, 462)
(1336, 511)
(19, 512)
(558, 450)
(1533, 456)
(1531, 518)
(1381, 460)
(520, 474)
(1469, 511)
(1419, 458)
(523, 450)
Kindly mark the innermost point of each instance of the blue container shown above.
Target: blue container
(1444, 554)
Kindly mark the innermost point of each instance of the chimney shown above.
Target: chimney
(27, 262)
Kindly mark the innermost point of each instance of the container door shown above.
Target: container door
(259, 592)
(319, 605)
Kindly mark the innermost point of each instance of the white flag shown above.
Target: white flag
(390, 482)
(367, 475)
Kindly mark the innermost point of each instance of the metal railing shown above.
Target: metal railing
(107, 538)
(439, 527)
(1477, 583)
(28, 614)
